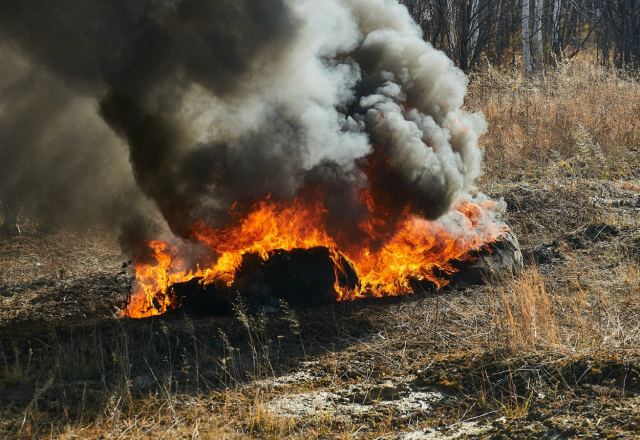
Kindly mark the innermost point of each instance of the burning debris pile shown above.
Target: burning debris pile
(285, 252)
(326, 130)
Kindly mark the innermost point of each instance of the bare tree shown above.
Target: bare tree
(556, 47)
(619, 29)
(537, 33)
(472, 30)
(526, 39)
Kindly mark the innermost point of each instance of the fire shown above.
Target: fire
(418, 249)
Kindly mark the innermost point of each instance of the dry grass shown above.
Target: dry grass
(590, 314)
(525, 313)
(578, 115)
(569, 142)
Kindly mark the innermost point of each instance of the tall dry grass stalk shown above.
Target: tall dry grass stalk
(525, 314)
(573, 116)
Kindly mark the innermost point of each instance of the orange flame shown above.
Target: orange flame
(418, 250)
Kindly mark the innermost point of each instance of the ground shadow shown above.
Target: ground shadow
(66, 371)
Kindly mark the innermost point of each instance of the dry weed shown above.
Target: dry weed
(578, 115)
(525, 312)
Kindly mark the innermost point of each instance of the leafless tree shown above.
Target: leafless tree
(537, 33)
(471, 31)
(526, 38)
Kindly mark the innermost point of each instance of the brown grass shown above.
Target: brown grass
(577, 115)
(525, 312)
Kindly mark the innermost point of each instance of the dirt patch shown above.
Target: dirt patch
(456, 431)
(360, 402)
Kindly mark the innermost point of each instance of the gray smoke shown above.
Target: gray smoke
(230, 101)
(59, 160)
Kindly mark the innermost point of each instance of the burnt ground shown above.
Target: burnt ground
(551, 353)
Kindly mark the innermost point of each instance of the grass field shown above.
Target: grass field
(552, 350)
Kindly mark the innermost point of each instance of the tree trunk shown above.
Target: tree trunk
(526, 40)
(474, 25)
(451, 26)
(499, 45)
(538, 34)
(555, 28)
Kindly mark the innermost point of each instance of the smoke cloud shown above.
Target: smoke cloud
(178, 109)
(59, 161)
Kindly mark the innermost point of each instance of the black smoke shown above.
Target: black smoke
(196, 105)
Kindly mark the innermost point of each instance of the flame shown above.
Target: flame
(418, 249)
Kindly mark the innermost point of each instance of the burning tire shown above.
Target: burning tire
(504, 257)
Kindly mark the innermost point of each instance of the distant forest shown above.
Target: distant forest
(533, 32)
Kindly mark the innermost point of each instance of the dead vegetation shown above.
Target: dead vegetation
(552, 350)
(578, 121)
(525, 314)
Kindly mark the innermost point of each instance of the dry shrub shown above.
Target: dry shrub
(577, 115)
(265, 424)
(525, 313)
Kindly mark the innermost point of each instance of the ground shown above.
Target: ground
(549, 353)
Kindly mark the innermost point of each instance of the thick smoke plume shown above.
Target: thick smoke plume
(221, 103)
(59, 161)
